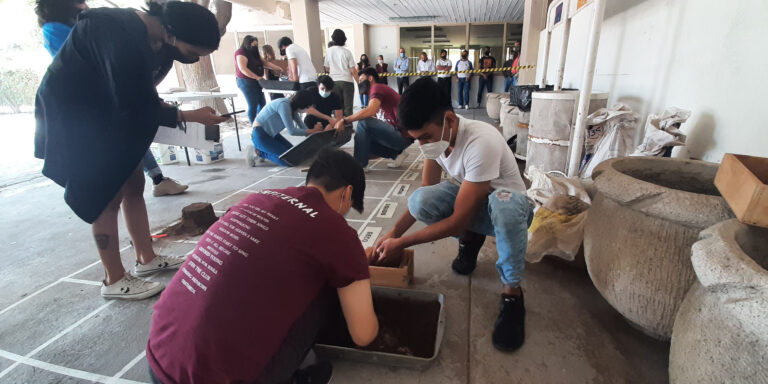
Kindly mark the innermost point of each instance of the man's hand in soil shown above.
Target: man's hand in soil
(388, 249)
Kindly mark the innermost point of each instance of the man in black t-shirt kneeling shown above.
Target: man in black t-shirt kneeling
(326, 107)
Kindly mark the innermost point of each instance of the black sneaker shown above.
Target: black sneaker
(318, 373)
(509, 331)
(466, 260)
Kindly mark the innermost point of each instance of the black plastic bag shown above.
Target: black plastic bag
(520, 95)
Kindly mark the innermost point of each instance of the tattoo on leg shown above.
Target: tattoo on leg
(102, 241)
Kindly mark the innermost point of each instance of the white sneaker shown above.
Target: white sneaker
(131, 288)
(398, 160)
(160, 263)
(168, 187)
(466, 107)
(252, 156)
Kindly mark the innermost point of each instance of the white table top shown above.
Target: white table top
(195, 96)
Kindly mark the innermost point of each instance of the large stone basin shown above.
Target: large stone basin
(721, 331)
(646, 214)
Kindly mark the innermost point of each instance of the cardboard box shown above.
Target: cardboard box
(202, 156)
(399, 277)
(742, 181)
(164, 154)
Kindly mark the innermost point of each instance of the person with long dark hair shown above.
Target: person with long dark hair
(268, 143)
(93, 140)
(249, 69)
(363, 87)
(268, 54)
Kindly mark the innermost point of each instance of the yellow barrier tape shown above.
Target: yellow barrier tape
(488, 70)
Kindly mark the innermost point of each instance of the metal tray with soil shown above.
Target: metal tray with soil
(411, 328)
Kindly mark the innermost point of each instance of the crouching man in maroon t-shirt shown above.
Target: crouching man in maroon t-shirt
(248, 303)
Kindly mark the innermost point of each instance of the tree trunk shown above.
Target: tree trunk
(200, 77)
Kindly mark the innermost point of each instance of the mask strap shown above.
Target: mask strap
(341, 203)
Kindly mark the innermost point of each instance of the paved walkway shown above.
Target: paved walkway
(55, 328)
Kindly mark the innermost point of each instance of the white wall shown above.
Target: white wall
(703, 55)
(382, 40)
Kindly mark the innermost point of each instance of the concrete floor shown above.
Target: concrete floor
(55, 328)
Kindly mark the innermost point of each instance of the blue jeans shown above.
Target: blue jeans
(254, 96)
(269, 147)
(509, 82)
(150, 165)
(463, 91)
(483, 83)
(376, 137)
(364, 99)
(506, 216)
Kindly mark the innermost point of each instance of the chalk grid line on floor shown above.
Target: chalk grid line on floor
(28, 360)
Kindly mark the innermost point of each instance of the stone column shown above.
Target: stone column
(534, 20)
(360, 39)
(305, 17)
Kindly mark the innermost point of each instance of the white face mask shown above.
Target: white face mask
(433, 150)
(381, 61)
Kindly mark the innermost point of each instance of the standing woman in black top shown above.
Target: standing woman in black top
(97, 111)
(364, 87)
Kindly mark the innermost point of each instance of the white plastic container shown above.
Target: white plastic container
(493, 105)
(164, 154)
(201, 156)
(552, 121)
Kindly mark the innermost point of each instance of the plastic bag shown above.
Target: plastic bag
(558, 224)
(663, 131)
(610, 134)
(520, 95)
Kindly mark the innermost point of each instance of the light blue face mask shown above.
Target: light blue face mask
(402, 54)
(323, 94)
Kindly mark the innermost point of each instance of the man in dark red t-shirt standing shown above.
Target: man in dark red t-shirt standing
(381, 138)
(248, 303)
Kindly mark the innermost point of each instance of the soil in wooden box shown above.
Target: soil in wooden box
(406, 327)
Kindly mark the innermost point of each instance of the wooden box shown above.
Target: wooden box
(395, 277)
(742, 181)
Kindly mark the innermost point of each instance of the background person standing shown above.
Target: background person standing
(486, 78)
(381, 67)
(361, 65)
(425, 65)
(402, 65)
(270, 57)
(463, 79)
(300, 67)
(340, 65)
(444, 79)
(249, 69)
(510, 76)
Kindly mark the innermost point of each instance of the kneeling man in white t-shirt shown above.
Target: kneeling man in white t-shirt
(489, 201)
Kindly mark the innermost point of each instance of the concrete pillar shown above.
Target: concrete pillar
(305, 18)
(534, 20)
(360, 41)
